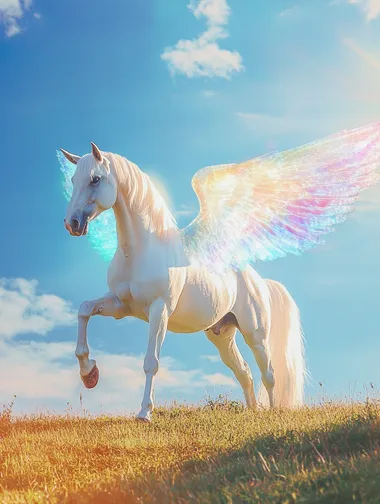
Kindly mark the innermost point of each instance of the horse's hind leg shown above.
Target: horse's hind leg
(109, 305)
(254, 326)
(256, 339)
(253, 313)
(231, 356)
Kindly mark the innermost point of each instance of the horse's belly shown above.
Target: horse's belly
(204, 300)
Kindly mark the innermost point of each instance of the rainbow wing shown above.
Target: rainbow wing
(281, 203)
(102, 230)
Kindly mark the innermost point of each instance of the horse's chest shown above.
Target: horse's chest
(137, 292)
(139, 282)
(137, 296)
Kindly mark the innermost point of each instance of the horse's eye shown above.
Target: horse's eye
(95, 180)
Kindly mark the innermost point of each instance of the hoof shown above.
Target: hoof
(144, 418)
(91, 380)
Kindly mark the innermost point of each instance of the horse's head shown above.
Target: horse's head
(94, 190)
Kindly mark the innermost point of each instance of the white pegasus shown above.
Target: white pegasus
(200, 278)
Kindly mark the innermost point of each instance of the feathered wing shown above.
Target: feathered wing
(102, 232)
(282, 203)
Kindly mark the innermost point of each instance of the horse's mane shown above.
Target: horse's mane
(143, 196)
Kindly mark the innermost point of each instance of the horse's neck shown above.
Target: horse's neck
(132, 233)
(129, 227)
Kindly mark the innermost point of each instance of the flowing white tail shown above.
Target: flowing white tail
(286, 349)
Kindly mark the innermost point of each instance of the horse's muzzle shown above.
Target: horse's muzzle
(77, 227)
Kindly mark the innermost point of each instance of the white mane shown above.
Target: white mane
(142, 195)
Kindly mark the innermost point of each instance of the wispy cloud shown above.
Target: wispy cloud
(203, 57)
(366, 56)
(11, 13)
(208, 93)
(291, 11)
(23, 310)
(366, 206)
(369, 203)
(185, 211)
(371, 8)
(363, 85)
(211, 358)
(347, 96)
(266, 124)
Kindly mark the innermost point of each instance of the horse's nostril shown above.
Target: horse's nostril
(75, 224)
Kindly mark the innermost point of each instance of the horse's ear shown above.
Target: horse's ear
(70, 157)
(96, 153)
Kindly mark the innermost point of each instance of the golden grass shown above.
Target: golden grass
(219, 453)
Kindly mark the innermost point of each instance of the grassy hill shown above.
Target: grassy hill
(218, 453)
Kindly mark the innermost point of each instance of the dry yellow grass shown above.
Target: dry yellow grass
(219, 453)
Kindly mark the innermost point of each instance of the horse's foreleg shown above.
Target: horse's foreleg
(110, 306)
(158, 323)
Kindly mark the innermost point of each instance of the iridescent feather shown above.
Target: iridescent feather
(281, 203)
(102, 231)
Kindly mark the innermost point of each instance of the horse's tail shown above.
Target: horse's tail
(286, 349)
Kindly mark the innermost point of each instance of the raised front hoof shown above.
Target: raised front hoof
(91, 380)
(144, 417)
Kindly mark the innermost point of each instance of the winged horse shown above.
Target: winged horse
(200, 277)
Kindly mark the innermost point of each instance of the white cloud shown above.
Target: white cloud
(371, 8)
(23, 310)
(203, 57)
(11, 11)
(211, 358)
(35, 370)
(220, 379)
(216, 12)
(45, 376)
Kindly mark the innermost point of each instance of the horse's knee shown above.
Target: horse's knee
(82, 353)
(151, 365)
(85, 309)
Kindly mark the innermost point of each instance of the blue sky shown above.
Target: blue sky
(175, 87)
